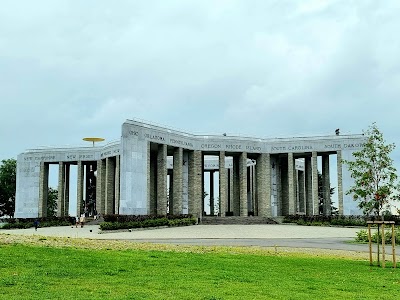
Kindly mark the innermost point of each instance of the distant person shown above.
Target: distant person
(36, 224)
(76, 221)
(82, 220)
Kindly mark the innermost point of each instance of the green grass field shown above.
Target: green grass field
(76, 269)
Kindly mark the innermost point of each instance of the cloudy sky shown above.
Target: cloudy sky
(70, 69)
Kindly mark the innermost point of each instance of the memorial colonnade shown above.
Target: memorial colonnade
(270, 185)
(98, 186)
(262, 184)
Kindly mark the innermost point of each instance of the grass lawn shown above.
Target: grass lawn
(54, 268)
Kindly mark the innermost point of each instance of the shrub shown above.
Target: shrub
(22, 223)
(321, 220)
(362, 236)
(128, 222)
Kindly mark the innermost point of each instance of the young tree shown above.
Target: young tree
(334, 210)
(8, 175)
(375, 178)
(52, 197)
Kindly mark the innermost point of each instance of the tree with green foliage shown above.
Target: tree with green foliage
(52, 197)
(8, 175)
(375, 179)
(334, 210)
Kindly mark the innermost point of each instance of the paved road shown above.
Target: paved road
(229, 235)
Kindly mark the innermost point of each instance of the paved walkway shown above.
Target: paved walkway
(232, 235)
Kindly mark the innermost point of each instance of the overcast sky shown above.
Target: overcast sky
(70, 69)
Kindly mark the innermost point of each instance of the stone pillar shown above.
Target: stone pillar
(61, 189)
(301, 191)
(250, 206)
(243, 184)
(277, 187)
(291, 184)
(195, 179)
(263, 179)
(162, 180)
(340, 181)
(43, 189)
(79, 186)
(152, 180)
(202, 184)
(117, 182)
(236, 187)
(284, 186)
(100, 186)
(308, 184)
(212, 213)
(185, 184)
(170, 191)
(326, 186)
(178, 181)
(253, 190)
(314, 166)
(110, 186)
(66, 188)
(230, 190)
(223, 184)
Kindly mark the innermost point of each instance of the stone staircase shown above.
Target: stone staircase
(252, 220)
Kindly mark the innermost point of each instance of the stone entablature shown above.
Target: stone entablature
(70, 154)
(212, 143)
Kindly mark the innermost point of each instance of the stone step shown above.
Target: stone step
(252, 220)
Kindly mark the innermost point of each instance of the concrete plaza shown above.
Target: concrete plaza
(336, 238)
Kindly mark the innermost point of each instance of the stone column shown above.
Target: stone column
(284, 186)
(223, 184)
(61, 189)
(195, 179)
(231, 190)
(301, 189)
(100, 186)
(199, 167)
(110, 186)
(43, 189)
(263, 179)
(326, 185)
(250, 205)
(212, 193)
(117, 182)
(79, 186)
(185, 184)
(340, 181)
(66, 188)
(177, 181)
(291, 184)
(277, 187)
(170, 191)
(253, 190)
(243, 184)
(151, 180)
(268, 185)
(314, 166)
(202, 184)
(162, 180)
(236, 187)
(308, 183)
